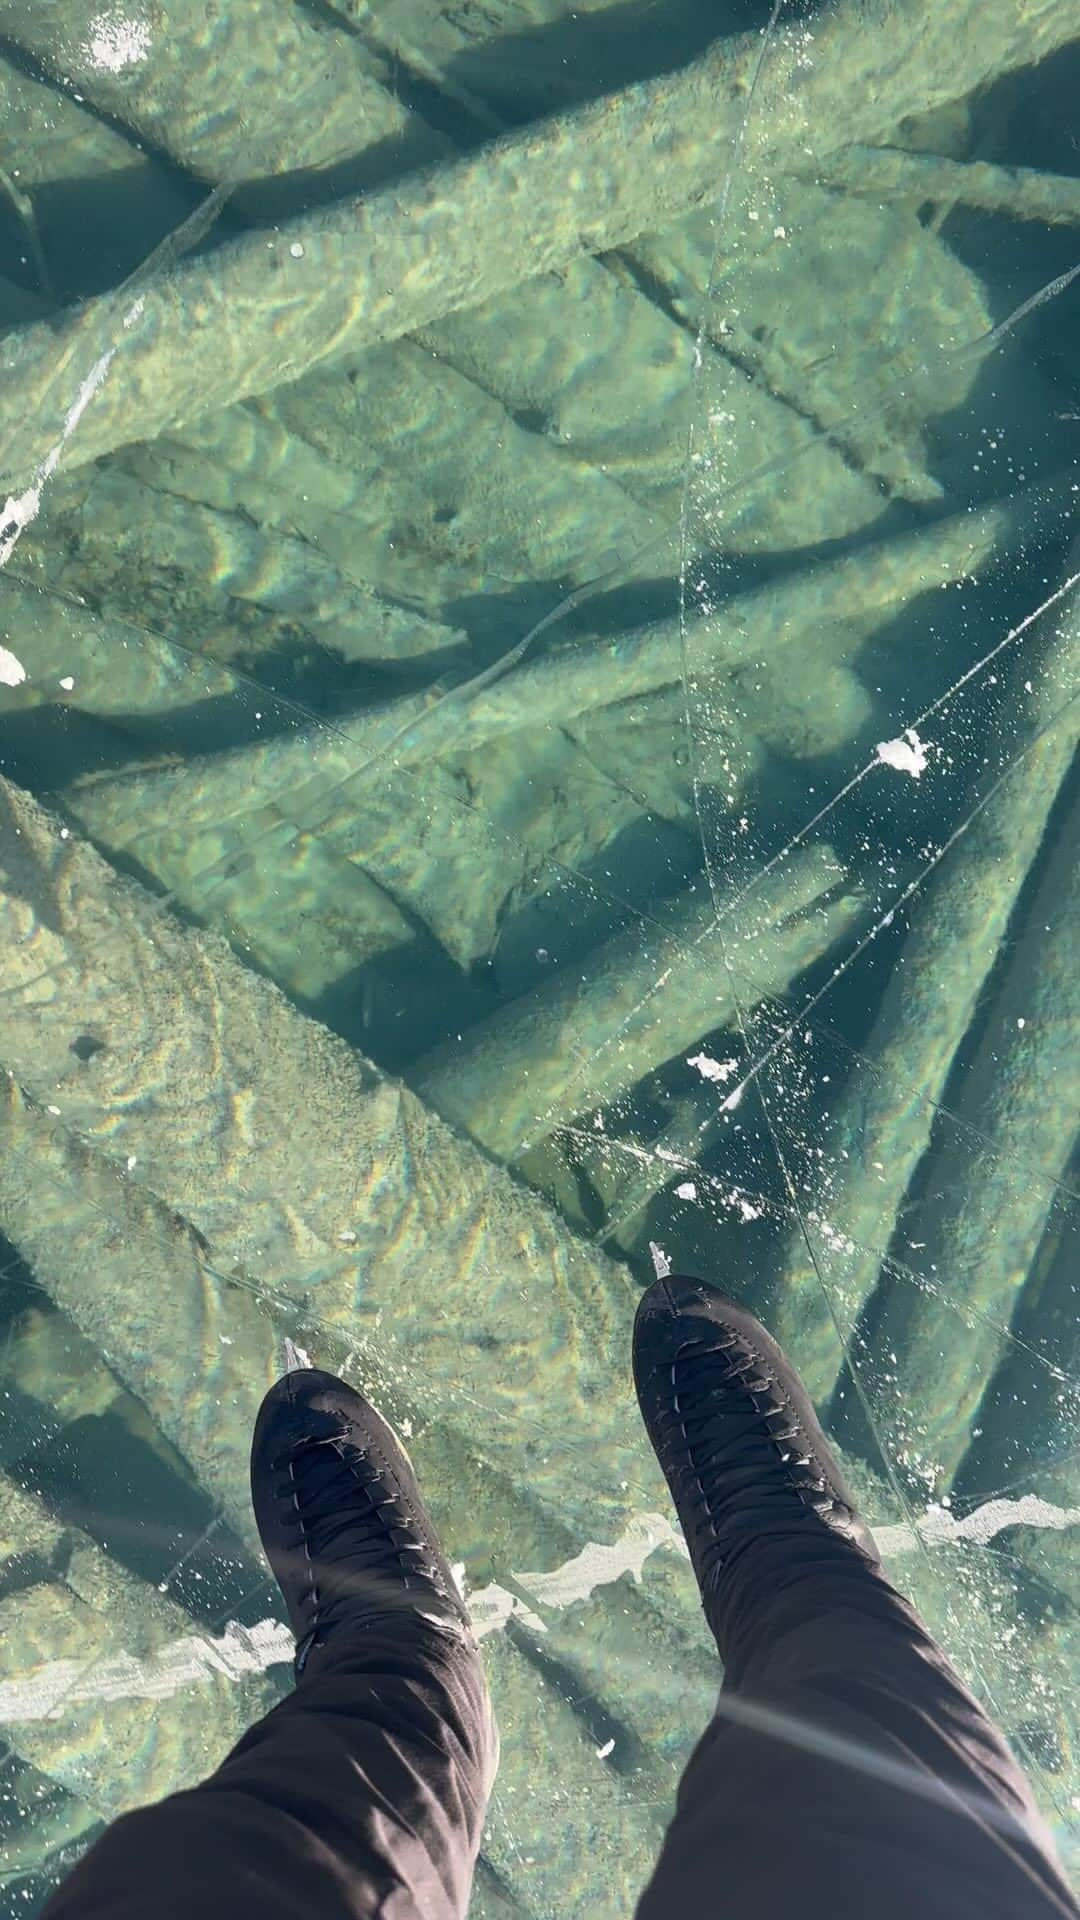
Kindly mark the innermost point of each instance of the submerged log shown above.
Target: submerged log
(903, 359)
(262, 310)
(316, 111)
(985, 1189)
(1024, 1431)
(332, 793)
(71, 168)
(886, 1112)
(43, 1828)
(393, 417)
(586, 1036)
(234, 1108)
(895, 173)
(125, 531)
(107, 1246)
(410, 1224)
(321, 826)
(630, 1174)
(72, 1646)
(122, 668)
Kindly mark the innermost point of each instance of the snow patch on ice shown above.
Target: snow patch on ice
(12, 671)
(907, 754)
(710, 1069)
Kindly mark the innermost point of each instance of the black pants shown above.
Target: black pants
(847, 1775)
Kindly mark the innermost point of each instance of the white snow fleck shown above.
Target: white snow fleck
(711, 1069)
(608, 1747)
(907, 754)
(132, 1162)
(347, 1237)
(687, 1191)
(68, 682)
(297, 249)
(836, 1241)
(55, 1111)
(12, 671)
(115, 42)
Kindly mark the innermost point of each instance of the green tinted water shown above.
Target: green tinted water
(538, 709)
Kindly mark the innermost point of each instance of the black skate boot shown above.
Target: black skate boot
(340, 1514)
(736, 1435)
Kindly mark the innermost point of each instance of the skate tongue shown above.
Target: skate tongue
(296, 1359)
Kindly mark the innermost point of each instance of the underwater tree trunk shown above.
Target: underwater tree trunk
(888, 173)
(265, 310)
(260, 1120)
(78, 1642)
(886, 1112)
(291, 1154)
(986, 1185)
(583, 1039)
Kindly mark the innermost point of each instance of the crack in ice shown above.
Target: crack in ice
(240, 1652)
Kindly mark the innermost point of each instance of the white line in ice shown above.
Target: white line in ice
(55, 1685)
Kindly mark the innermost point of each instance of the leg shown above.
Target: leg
(848, 1771)
(362, 1794)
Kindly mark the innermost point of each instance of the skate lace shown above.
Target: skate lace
(360, 1535)
(746, 1447)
